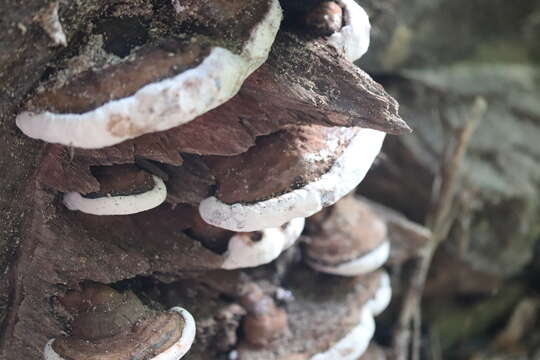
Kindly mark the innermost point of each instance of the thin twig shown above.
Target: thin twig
(439, 221)
(450, 168)
(417, 335)
(435, 345)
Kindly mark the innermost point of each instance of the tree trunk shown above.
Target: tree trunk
(46, 250)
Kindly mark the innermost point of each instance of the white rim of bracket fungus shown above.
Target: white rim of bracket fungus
(182, 346)
(242, 252)
(344, 175)
(118, 205)
(355, 343)
(380, 301)
(160, 105)
(175, 352)
(362, 265)
(353, 38)
(292, 231)
(49, 353)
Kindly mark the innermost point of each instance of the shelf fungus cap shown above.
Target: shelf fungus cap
(343, 174)
(117, 326)
(346, 239)
(122, 192)
(353, 38)
(154, 104)
(347, 322)
(362, 265)
(261, 247)
(355, 343)
(176, 351)
(382, 297)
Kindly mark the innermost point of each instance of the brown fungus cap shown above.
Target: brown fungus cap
(316, 319)
(346, 231)
(94, 87)
(109, 325)
(165, 83)
(291, 88)
(285, 160)
(156, 60)
(146, 339)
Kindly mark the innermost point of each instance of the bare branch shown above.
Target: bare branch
(440, 217)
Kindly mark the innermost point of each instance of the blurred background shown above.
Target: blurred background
(441, 59)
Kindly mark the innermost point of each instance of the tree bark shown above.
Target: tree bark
(46, 250)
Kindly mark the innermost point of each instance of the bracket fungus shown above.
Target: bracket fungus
(380, 301)
(346, 239)
(117, 326)
(123, 190)
(243, 251)
(357, 340)
(321, 186)
(320, 328)
(215, 149)
(353, 37)
(160, 97)
(352, 345)
(247, 249)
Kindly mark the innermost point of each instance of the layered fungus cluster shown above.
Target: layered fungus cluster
(226, 134)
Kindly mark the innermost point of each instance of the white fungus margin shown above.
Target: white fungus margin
(344, 175)
(380, 301)
(355, 343)
(49, 353)
(118, 205)
(175, 352)
(362, 265)
(160, 105)
(182, 346)
(243, 252)
(353, 38)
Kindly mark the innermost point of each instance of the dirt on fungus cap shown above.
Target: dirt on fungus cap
(346, 239)
(363, 298)
(344, 172)
(154, 95)
(109, 325)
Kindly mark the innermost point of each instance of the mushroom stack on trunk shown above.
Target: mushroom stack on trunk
(178, 168)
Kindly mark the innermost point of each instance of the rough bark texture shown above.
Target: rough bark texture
(418, 51)
(45, 250)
